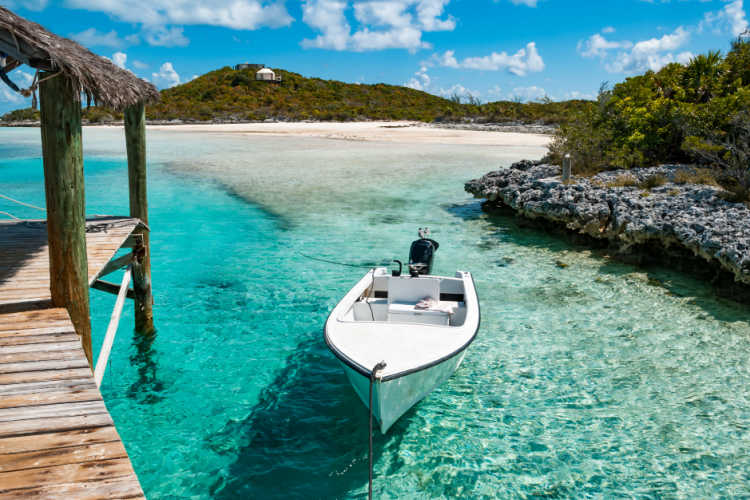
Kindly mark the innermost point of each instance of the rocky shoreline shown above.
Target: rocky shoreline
(642, 215)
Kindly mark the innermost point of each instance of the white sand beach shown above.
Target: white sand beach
(397, 132)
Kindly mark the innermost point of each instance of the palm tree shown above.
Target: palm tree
(701, 76)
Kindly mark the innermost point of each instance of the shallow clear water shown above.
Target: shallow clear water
(594, 380)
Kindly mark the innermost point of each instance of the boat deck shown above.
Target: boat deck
(57, 439)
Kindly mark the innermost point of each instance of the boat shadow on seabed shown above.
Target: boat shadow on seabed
(306, 437)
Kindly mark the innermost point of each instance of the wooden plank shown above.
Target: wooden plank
(65, 474)
(37, 339)
(120, 487)
(74, 384)
(61, 456)
(45, 398)
(58, 424)
(39, 356)
(35, 343)
(55, 364)
(109, 336)
(106, 286)
(115, 264)
(9, 321)
(51, 440)
(38, 331)
(57, 439)
(42, 376)
(57, 410)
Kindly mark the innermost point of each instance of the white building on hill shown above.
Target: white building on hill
(267, 75)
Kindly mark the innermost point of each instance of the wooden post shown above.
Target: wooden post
(66, 212)
(135, 139)
(567, 168)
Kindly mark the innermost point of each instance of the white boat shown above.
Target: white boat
(380, 320)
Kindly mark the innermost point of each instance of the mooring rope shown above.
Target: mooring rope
(362, 266)
(10, 215)
(373, 375)
(22, 203)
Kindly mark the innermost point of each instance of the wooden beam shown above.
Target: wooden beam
(116, 264)
(109, 337)
(133, 240)
(106, 286)
(135, 140)
(64, 188)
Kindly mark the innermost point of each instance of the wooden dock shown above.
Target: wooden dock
(57, 439)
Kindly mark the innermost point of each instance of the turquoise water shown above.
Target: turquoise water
(594, 380)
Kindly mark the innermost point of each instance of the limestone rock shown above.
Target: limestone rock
(692, 216)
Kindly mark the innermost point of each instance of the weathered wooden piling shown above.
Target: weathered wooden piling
(135, 138)
(66, 211)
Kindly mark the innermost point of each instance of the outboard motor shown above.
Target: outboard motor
(422, 253)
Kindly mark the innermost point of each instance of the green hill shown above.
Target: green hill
(234, 95)
(227, 94)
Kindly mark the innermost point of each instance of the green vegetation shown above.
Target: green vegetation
(21, 115)
(226, 94)
(625, 180)
(91, 114)
(229, 95)
(652, 181)
(697, 112)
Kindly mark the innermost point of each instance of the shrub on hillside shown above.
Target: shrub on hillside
(678, 114)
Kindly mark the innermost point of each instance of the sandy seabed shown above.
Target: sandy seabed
(397, 132)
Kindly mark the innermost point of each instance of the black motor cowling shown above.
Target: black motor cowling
(422, 253)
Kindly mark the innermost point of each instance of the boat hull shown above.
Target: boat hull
(392, 398)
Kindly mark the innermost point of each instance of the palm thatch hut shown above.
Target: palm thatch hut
(65, 73)
(96, 77)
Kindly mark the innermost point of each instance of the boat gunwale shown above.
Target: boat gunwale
(367, 373)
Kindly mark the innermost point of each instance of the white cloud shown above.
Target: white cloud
(420, 81)
(495, 91)
(8, 96)
(597, 46)
(166, 77)
(120, 58)
(732, 18)
(526, 60)
(162, 36)
(235, 14)
(328, 17)
(458, 90)
(381, 24)
(94, 38)
(529, 93)
(528, 3)
(26, 4)
(574, 94)
(607, 30)
(652, 54)
(139, 64)
(429, 13)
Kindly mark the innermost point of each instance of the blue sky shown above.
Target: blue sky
(493, 49)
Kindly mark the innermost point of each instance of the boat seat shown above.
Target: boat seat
(407, 290)
(407, 313)
(403, 295)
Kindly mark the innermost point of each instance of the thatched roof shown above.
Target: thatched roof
(99, 78)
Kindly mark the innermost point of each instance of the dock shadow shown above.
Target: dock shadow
(306, 437)
(20, 242)
(147, 388)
